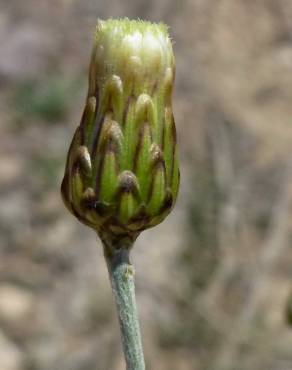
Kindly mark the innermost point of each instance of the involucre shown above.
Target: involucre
(122, 171)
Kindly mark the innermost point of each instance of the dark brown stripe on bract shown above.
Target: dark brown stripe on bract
(126, 110)
(167, 203)
(65, 189)
(172, 143)
(98, 122)
(74, 143)
(173, 147)
(83, 124)
(139, 144)
(156, 165)
(154, 88)
(173, 130)
(163, 133)
(86, 114)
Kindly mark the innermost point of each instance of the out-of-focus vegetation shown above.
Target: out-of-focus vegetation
(46, 100)
(214, 280)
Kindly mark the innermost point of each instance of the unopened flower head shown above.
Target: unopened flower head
(122, 172)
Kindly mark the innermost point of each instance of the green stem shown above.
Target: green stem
(121, 274)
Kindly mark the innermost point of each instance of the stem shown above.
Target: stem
(121, 274)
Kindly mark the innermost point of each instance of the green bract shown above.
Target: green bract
(122, 172)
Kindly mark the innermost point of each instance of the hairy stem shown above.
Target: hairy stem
(121, 274)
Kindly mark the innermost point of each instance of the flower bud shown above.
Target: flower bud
(122, 171)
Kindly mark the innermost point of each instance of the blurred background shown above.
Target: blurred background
(214, 281)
